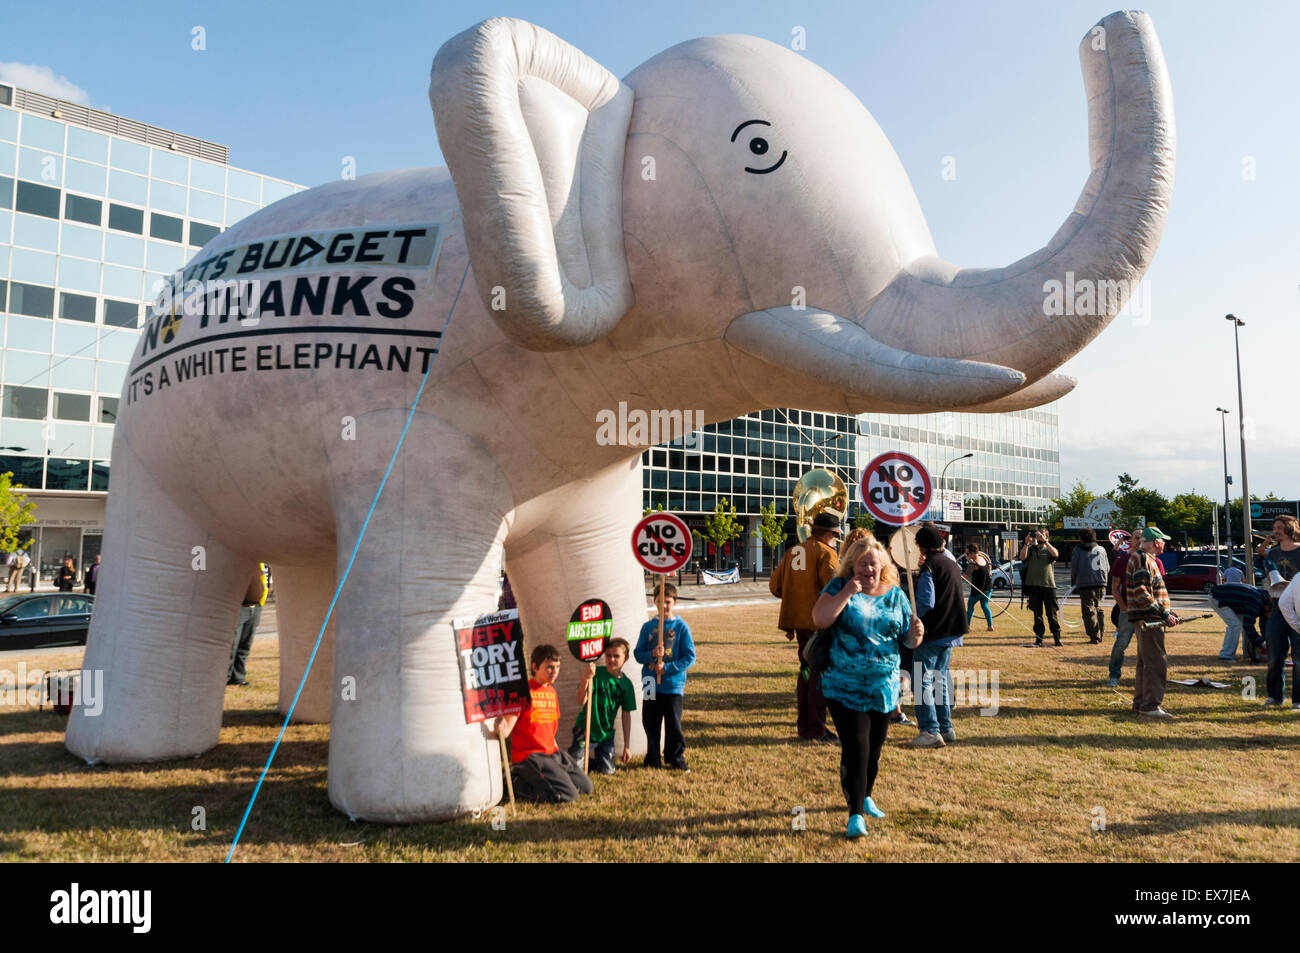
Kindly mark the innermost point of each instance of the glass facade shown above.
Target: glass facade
(89, 222)
(755, 460)
(750, 461)
(1015, 471)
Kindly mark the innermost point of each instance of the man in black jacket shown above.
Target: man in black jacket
(941, 610)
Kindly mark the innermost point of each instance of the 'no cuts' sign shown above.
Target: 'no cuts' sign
(661, 543)
(896, 488)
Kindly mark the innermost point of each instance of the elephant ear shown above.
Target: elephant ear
(533, 131)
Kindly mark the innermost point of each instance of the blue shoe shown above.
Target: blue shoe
(857, 827)
(870, 807)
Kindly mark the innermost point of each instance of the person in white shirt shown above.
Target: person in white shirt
(1289, 605)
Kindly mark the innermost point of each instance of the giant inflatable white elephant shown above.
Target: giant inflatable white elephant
(726, 229)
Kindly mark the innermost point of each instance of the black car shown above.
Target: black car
(41, 620)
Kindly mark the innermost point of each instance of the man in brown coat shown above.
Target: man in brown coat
(797, 582)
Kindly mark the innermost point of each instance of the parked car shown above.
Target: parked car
(1192, 578)
(1208, 559)
(1007, 574)
(42, 620)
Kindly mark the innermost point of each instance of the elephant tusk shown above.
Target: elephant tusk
(1042, 391)
(838, 352)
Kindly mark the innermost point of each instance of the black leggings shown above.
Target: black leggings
(862, 736)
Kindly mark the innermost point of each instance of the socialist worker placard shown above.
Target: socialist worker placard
(492, 672)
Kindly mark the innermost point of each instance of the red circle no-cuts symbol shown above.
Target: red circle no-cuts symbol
(661, 543)
(896, 488)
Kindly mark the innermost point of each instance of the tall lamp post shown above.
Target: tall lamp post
(1227, 481)
(943, 492)
(1237, 325)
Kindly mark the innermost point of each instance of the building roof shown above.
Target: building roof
(100, 121)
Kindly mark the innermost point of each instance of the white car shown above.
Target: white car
(1006, 574)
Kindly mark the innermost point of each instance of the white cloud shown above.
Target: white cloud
(42, 79)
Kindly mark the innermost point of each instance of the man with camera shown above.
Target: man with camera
(1039, 581)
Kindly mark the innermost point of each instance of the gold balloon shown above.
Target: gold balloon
(815, 492)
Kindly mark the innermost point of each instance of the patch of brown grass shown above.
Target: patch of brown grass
(1216, 783)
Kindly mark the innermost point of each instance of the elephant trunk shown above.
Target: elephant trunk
(1036, 313)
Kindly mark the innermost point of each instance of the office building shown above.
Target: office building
(94, 210)
(1007, 484)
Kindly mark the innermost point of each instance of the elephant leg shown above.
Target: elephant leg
(302, 597)
(574, 544)
(166, 608)
(400, 749)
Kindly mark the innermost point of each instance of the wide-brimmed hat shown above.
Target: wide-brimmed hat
(824, 521)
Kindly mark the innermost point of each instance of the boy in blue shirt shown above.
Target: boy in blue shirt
(663, 701)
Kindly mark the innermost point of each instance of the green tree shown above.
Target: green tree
(15, 512)
(659, 508)
(865, 520)
(771, 528)
(1072, 504)
(1141, 502)
(1136, 501)
(1190, 512)
(1237, 520)
(721, 526)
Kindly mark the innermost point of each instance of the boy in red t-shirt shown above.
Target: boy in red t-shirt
(539, 770)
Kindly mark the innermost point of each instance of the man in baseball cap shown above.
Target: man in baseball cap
(1149, 611)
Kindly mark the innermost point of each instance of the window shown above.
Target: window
(201, 234)
(165, 227)
(126, 219)
(61, 474)
(99, 478)
(26, 470)
(77, 307)
(121, 314)
(108, 410)
(77, 208)
(84, 144)
(25, 403)
(73, 605)
(71, 406)
(38, 199)
(6, 192)
(33, 609)
(33, 300)
(4, 294)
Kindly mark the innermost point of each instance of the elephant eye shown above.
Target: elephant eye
(759, 146)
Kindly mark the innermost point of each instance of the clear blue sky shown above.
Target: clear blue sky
(294, 87)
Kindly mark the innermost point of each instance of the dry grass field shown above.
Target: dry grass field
(1217, 783)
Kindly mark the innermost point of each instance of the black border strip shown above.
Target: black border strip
(328, 328)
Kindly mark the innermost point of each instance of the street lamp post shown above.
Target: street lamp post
(1227, 481)
(1237, 324)
(943, 491)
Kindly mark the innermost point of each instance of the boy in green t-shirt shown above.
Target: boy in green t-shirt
(612, 691)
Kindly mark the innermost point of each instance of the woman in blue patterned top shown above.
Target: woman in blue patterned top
(867, 617)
